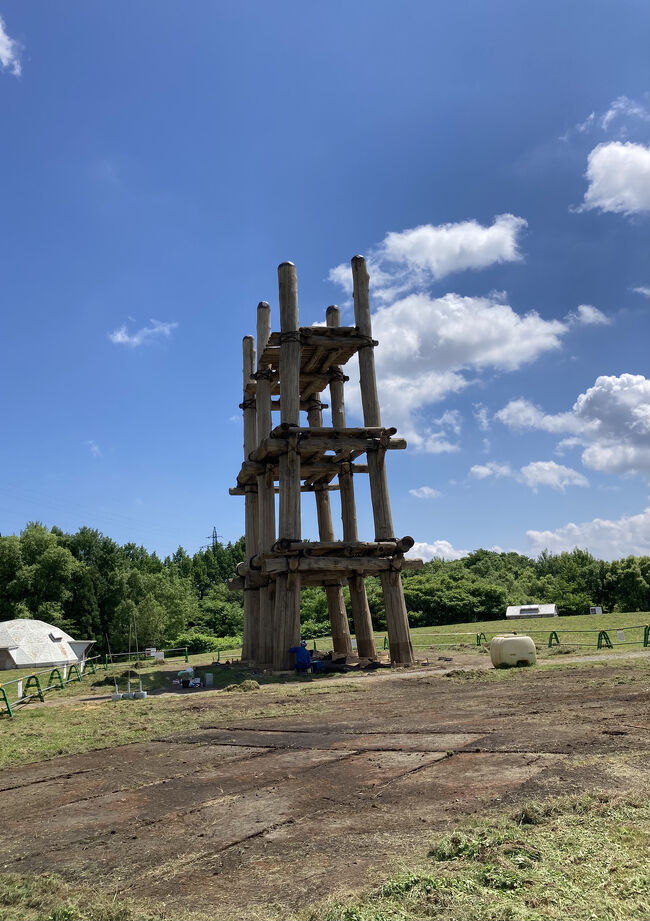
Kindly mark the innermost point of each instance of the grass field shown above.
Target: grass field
(576, 634)
(576, 856)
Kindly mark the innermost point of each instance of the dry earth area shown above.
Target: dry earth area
(262, 816)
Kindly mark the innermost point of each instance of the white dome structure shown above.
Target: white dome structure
(25, 643)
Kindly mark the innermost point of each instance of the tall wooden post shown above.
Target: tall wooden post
(265, 484)
(287, 589)
(341, 640)
(251, 595)
(358, 598)
(401, 650)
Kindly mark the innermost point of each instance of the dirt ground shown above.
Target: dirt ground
(265, 815)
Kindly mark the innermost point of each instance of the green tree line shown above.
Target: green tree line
(94, 588)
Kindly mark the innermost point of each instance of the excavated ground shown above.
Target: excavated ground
(240, 820)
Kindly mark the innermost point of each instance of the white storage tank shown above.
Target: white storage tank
(511, 649)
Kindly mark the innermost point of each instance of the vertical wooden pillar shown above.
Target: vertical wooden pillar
(401, 650)
(358, 598)
(265, 485)
(335, 604)
(251, 595)
(287, 587)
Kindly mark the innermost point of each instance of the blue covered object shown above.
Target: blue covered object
(303, 656)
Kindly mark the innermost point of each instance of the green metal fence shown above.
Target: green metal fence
(29, 687)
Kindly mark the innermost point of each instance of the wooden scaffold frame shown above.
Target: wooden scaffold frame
(297, 365)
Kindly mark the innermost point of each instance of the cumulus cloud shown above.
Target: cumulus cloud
(410, 259)
(533, 475)
(482, 471)
(588, 315)
(425, 492)
(155, 330)
(429, 348)
(9, 52)
(439, 549)
(619, 178)
(642, 289)
(609, 540)
(611, 419)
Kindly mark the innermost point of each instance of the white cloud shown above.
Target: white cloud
(548, 473)
(609, 540)
(622, 107)
(425, 492)
(612, 420)
(533, 475)
(482, 471)
(93, 447)
(620, 111)
(619, 178)
(439, 549)
(445, 248)
(9, 52)
(429, 346)
(410, 259)
(521, 414)
(482, 417)
(588, 315)
(642, 289)
(155, 330)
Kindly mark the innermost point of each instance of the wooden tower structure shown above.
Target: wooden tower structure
(293, 368)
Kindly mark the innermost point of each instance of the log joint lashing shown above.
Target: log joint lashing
(298, 364)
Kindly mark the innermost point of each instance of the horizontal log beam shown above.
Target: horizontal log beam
(348, 566)
(309, 487)
(339, 547)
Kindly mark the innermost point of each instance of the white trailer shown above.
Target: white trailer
(517, 611)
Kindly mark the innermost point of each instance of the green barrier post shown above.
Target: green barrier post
(187, 658)
(553, 639)
(74, 668)
(478, 638)
(386, 642)
(90, 666)
(604, 640)
(315, 650)
(6, 702)
(55, 673)
(33, 680)
(646, 635)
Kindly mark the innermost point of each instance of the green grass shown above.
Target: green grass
(580, 857)
(40, 732)
(47, 897)
(449, 638)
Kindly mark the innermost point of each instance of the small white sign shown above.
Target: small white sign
(620, 635)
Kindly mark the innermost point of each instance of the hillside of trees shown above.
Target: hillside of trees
(94, 588)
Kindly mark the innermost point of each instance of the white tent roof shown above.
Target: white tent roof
(33, 642)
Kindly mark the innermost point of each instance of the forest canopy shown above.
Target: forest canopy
(94, 588)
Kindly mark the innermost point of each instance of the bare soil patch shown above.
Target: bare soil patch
(261, 816)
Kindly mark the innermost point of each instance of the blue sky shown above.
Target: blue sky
(490, 159)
